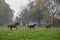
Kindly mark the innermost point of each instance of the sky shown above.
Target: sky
(16, 5)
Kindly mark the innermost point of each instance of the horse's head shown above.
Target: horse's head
(17, 24)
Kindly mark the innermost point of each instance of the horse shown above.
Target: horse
(13, 26)
(48, 26)
(32, 26)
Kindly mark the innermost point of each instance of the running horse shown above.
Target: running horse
(13, 26)
(48, 25)
(32, 26)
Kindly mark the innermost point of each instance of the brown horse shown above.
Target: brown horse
(48, 26)
(13, 26)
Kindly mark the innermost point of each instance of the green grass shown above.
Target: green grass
(27, 34)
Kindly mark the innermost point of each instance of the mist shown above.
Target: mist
(17, 6)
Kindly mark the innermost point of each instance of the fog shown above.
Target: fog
(16, 5)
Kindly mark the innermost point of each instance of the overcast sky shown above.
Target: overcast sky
(16, 5)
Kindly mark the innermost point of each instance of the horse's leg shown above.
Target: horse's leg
(33, 27)
(47, 26)
(16, 28)
(10, 28)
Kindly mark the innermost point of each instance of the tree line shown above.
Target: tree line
(38, 11)
(41, 12)
(5, 13)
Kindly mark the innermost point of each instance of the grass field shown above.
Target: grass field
(27, 34)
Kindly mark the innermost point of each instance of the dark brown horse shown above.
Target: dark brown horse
(13, 26)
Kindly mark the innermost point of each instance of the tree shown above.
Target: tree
(31, 14)
(58, 1)
(5, 12)
(40, 11)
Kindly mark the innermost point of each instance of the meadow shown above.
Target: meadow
(23, 33)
